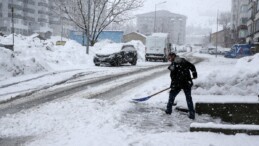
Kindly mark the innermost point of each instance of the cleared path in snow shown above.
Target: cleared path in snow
(103, 87)
(35, 98)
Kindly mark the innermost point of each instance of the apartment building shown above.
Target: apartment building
(253, 22)
(239, 18)
(32, 16)
(164, 22)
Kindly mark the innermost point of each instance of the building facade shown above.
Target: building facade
(239, 18)
(253, 22)
(221, 38)
(164, 22)
(31, 16)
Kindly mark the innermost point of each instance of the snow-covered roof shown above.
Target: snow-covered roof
(136, 33)
(109, 48)
(160, 34)
(161, 13)
(215, 29)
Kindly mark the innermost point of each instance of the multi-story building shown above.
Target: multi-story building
(32, 16)
(253, 22)
(239, 18)
(164, 22)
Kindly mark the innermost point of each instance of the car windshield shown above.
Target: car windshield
(108, 48)
(127, 48)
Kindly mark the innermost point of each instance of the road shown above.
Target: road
(90, 84)
(102, 87)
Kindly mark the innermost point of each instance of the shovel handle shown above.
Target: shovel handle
(160, 91)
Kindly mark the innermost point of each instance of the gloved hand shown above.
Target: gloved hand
(194, 75)
(171, 67)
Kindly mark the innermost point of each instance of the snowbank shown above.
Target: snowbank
(140, 47)
(32, 55)
(11, 65)
(240, 78)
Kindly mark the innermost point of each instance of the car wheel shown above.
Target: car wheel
(134, 62)
(97, 64)
(117, 62)
(164, 60)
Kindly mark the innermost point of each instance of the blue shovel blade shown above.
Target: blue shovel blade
(141, 99)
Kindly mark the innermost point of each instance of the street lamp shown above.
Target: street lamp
(88, 27)
(12, 9)
(155, 13)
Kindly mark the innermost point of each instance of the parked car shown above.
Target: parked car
(240, 50)
(124, 54)
(214, 51)
(204, 51)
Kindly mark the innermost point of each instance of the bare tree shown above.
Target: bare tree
(225, 19)
(102, 12)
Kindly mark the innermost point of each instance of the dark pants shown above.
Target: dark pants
(174, 92)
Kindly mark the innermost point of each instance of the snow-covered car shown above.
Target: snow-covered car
(203, 51)
(214, 51)
(115, 56)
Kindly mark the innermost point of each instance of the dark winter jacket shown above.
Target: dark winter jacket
(180, 73)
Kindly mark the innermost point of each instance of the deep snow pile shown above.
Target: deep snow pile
(11, 65)
(32, 55)
(239, 78)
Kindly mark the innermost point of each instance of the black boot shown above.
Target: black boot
(169, 112)
(192, 116)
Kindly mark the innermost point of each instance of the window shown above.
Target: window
(244, 8)
(250, 31)
(42, 24)
(242, 33)
(127, 48)
(257, 25)
(250, 13)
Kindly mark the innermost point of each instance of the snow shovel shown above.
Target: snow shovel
(146, 98)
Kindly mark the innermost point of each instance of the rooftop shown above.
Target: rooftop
(161, 13)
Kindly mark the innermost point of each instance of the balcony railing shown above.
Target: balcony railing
(43, 4)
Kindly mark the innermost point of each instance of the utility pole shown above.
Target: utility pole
(155, 14)
(217, 34)
(13, 25)
(61, 19)
(155, 20)
(178, 39)
(88, 27)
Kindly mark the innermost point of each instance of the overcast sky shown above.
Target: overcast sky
(197, 11)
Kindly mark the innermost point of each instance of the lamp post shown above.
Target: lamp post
(88, 27)
(155, 13)
(217, 33)
(13, 25)
(62, 27)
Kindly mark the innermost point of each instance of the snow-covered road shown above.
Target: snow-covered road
(88, 84)
(80, 121)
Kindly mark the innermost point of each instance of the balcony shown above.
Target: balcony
(43, 4)
(42, 20)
